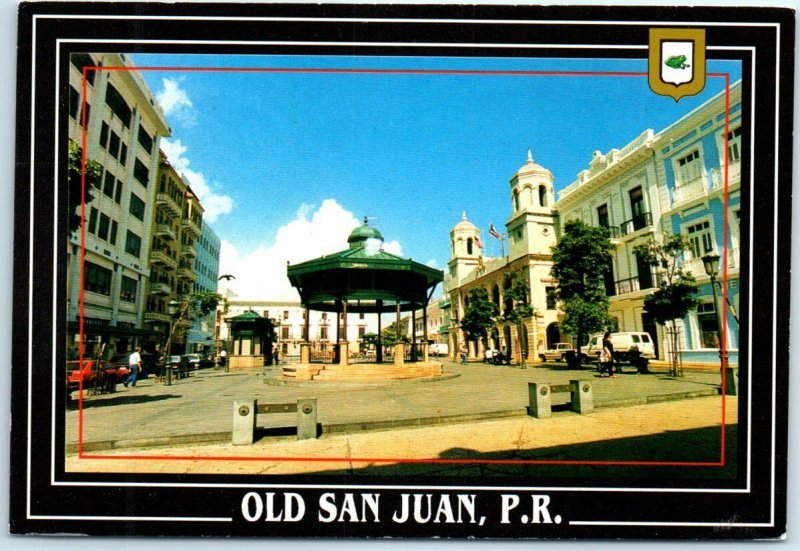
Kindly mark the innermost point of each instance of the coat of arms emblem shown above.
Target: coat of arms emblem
(677, 62)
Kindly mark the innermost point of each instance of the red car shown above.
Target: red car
(100, 375)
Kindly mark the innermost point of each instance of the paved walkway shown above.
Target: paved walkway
(199, 408)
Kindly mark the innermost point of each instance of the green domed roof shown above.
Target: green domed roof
(362, 233)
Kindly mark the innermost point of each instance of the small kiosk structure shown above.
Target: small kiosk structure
(364, 279)
(251, 340)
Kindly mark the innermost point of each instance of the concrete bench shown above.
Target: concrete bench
(540, 395)
(245, 414)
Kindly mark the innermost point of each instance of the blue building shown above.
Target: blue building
(200, 337)
(690, 157)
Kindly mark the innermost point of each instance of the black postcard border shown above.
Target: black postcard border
(59, 502)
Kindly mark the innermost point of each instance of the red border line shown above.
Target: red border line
(456, 72)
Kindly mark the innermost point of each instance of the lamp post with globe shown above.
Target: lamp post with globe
(711, 266)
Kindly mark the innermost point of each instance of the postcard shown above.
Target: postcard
(359, 271)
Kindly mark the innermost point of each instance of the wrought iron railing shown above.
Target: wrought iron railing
(636, 223)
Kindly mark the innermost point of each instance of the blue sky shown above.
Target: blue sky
(412, 151)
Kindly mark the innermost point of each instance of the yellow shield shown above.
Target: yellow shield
(677, 62)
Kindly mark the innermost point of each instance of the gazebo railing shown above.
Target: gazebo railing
(322, 353)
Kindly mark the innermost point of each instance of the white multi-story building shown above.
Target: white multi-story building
(289, 322)
(123, 127)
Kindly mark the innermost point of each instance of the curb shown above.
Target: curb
(364, 426)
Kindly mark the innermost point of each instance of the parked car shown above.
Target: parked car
(94, 374)
(439, 349)
(629, 347)
(556, 353)
(149, 363)
(196, 361)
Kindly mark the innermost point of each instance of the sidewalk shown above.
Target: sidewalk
(666, 432)
(199, 409)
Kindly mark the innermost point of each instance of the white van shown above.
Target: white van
(626, 346)
(438, 349)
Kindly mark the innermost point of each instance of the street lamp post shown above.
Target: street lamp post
(173, 307)
(711, 266)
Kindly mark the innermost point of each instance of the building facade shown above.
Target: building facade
(206, 267)
(532, 231)
(123, 127)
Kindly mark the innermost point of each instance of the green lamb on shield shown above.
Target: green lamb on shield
(676, 62)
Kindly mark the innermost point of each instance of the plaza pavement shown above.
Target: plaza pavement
(198, 409)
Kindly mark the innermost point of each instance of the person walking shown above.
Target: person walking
(134, 364)
(223, 357)
(275, 356)
(607, 356)
(464, 353)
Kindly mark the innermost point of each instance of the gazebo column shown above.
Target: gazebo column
(425, 332)
(414, 335)
(338, 306)
(399, 349)
(305, 346)
(344, 345)
(379, 342)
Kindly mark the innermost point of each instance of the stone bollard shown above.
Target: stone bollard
(399, 354)
(731, 381)
(540, 403)
(305, 353)
(344, 353)
(582, 396)
(306, 418)
(244, 422)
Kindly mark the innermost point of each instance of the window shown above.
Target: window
(145, 140)
(127, 290)
(92, 220)
(96, 279)
(550, 297)
(602, 216)
(645, 273)
(113, 144)
(133, 244)
(108, 185)
(118, 105)
(735, 145)
(266, 313)
(104, 135)
(702, 242)
(515, 197)
(74, 102)
(361, 332)
(118, 192)
(361, 316)
(137, 206)
(286, 314)
(113, 237)
(324, 316)
(708, 325)
(102, 228)
(84, 60)
(323, 333)
(284, 332)
(542, 196)
(123, 154)
(141, 172)
(689, 167)
(469, 245)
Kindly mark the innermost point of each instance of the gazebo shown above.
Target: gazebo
(251, 337)
(365, 279)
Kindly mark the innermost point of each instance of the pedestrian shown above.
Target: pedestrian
(134, 364)
(223, 357)
(275, 356)
(464, 353)
(607, 356)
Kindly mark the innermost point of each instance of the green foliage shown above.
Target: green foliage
(94, 172)
(517, 297)
(675, 296)
(203, 303)
(479, 316)
(389, 334)
(580, 259)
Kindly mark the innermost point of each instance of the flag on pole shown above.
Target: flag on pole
(478, 242)
(493, 232)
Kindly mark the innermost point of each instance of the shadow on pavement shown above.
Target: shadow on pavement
(695, 446)
(119, 400)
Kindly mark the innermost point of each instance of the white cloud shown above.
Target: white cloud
(215, 204)
(261, 273)
(175, 102)
(393, 247)
(432, 263)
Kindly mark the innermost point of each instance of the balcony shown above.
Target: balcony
(631, 285)
(186, 273)
(718, 176)
(166, 232)
(166, 201)
(189, 250)
(191, 226)
(159, 288)
(613, 232)
(156, 317)
(162, 258)
(688, 191)
(644, 220)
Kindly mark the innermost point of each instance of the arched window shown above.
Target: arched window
(469, 245)
(496, 295)
(543, 196)
(516, 200)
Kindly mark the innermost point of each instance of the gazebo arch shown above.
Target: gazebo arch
(364, 279)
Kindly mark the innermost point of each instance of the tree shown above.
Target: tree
(197, 306)
(389, 334)
(517, 311)
(479, 315)
(580, 259)
(675, 296)
(94, 172)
